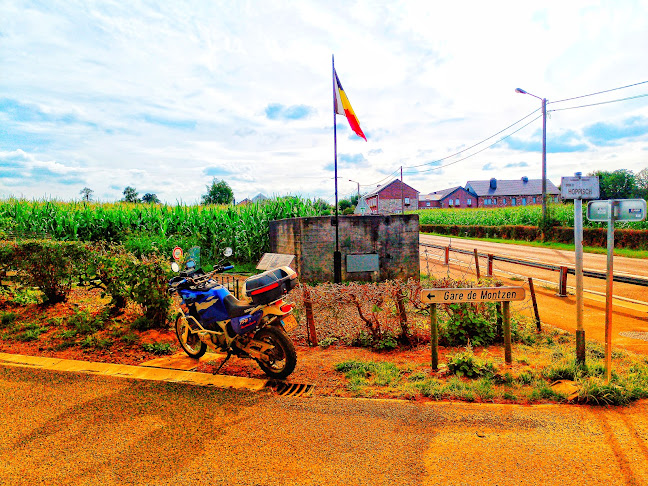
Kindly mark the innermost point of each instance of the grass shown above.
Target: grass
(527, 380)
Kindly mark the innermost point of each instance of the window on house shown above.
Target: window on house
(503, 201)
(427, 203)
(524, 201)
(512, 201)
(469, 202)
(450, 202)
(407, 201)
(457, 203)
(534, 200)
(495, 201)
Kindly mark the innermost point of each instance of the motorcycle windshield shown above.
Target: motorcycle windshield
(194, 255)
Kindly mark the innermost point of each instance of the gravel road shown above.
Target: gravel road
(75, 429)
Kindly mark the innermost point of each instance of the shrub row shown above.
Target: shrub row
(54, 266)
(597, 237)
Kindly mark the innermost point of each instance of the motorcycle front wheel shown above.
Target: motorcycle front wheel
(282, 358)
(189, 341)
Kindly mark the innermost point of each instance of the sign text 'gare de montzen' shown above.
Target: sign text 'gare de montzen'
(477, 294)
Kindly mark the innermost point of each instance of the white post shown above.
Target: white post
(578, 249)
(608, 290)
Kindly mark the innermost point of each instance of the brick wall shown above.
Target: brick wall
(507, 201)
(312, 240)
(463, 196)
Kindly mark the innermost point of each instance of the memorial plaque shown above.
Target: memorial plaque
(274, 260)
(363, 263)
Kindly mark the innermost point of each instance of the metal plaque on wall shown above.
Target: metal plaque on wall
(368, 262)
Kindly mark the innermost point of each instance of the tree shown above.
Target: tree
(351, 202)
(218, 193)
(86, 192)
(641, 184)
(619, 184)
(322, 206)
(150, 198)
(130, 195)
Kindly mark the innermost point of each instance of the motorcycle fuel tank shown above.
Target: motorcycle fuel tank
(208, 302)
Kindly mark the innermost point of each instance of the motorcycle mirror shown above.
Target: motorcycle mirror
(175, 267)
(228, 252)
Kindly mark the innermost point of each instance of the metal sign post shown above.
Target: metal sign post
(613, 210)
(579, 188)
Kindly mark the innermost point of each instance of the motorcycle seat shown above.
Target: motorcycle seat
(235, 308)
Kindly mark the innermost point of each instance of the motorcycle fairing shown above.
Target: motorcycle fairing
(246, 323)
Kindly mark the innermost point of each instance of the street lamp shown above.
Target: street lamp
(544, 151)
(358, 188)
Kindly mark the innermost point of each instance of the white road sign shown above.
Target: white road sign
(624, 210)
(580, 187)
(476, 294)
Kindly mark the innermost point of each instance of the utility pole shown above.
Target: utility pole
(402, 199)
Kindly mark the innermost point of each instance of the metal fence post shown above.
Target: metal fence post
(434, 337)
(562, 284)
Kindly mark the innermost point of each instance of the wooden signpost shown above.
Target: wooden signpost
(469, 295)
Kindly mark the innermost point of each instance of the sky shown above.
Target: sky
(166, 96)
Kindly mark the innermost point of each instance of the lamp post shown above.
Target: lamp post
(544, 151)
(358, 188)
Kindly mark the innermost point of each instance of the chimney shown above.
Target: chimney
(493, 183)
(525, 179)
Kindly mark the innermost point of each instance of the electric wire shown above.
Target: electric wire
(474, 145)
(381, 180)
(601, 103)
(479, 151)
(598, 92)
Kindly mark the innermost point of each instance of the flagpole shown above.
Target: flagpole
(337, 257)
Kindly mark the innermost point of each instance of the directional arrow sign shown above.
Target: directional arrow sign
(477, 294)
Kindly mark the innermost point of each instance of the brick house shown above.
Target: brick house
(389, 199)
(518, 192)
(453, 197)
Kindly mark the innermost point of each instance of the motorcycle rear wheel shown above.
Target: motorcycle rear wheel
(282, 358)
(192, 345)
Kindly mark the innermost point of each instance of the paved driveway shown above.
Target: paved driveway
(72, 429)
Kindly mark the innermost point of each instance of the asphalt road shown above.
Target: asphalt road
(598, 262)
(75, 429)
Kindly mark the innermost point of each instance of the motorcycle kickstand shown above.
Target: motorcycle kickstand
(229, 355)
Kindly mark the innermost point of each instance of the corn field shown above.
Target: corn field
(144, 228)
(513, 216)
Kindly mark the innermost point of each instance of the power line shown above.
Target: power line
(597, 93)
(601, 103)
(381, 180)
(479, 151)
(473, 146)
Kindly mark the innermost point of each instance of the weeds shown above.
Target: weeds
(158, 348)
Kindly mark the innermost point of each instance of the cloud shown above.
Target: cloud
(489, 166)
(516, 164)
(348, 161)
(18, 165)
(608, 134)
(169, 122)
(277, 111)
(218, 171)
(568, 141)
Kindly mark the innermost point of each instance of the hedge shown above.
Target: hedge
(54, 266)
(597, 237)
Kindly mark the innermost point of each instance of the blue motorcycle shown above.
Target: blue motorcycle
(255, 327)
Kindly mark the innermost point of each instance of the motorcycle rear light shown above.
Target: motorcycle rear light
(285, 308)
(265, 289)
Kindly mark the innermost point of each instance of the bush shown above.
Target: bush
(158, 348)
(465, 363)
(48, 265)
(470, 323)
